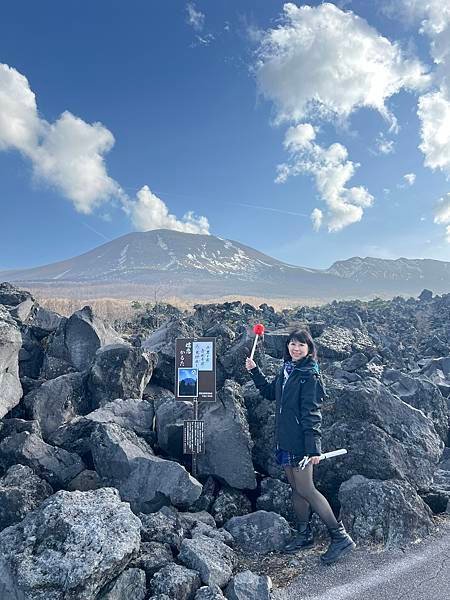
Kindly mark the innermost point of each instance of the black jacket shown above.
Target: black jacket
(297, 417)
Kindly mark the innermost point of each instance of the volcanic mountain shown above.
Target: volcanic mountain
(205, 265)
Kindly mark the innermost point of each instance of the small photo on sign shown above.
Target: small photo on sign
(188, 383)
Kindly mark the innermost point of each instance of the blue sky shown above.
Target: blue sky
(287, 127)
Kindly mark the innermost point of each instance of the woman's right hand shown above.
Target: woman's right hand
(249, 364)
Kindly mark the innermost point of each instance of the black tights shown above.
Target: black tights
(305, 496)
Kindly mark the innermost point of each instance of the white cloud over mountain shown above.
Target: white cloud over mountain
(434, 114)
(433, 19)
(331, 170)
(20, 125)
(69, 155)
(322, 64)
(326, 62)
(150, 212)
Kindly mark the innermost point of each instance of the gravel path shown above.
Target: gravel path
(419, 572)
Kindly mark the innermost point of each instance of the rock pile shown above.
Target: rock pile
(96, 498)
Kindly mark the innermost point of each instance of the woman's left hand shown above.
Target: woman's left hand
(314, 460)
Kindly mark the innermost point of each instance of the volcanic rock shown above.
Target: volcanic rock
(64, 547)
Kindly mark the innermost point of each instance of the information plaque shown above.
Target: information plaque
(193, 437)
(195, 369)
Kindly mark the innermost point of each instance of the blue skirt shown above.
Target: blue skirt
(284, 458)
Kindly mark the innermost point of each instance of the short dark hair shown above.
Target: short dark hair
(301, 335)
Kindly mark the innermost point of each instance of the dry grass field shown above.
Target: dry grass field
(110, 305)
(111, 309)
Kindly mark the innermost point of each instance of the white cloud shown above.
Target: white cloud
(70, 157)
(150, 212)
(324, 62)
(331, 170)
(410, 178)
(20, 125)
(205, 40)
(434, 114)
(317, 219)
(384, 146)
(195, 17)
(433, 107)
(67, 154)
(434, 19)
(442, 212)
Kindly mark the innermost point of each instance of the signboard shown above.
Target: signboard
(193, 437)
(195, 369)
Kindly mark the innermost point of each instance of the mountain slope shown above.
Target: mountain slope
(205, 265)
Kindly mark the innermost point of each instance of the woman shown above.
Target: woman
(298, 392)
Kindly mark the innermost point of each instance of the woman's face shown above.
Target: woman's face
(297, 349)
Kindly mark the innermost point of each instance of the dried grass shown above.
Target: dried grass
(65, 301)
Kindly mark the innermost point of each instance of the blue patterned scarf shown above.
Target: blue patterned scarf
(290, 365)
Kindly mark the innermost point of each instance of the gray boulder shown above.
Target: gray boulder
(192, 519)
(12, 296)
(57, 402)
(437, 370)
(338, 343)
(114, 449)
(85, 481)
(261, 421)
(259, 532)
(354, 362)
(276, 496)
(275, 341)
(63, 550)
(170, 414)
(221, 535)
(55, 465)
(130, 584)
(210, 488)
(21, 491)
(146, 481)
(230, 503)
(438, 495)
(119, 371)
(42, 321)
(162, 341)
(389, 512)
(164, 526)
(176, 582)
(13, 426)
(249, 586)
(152, 557)
(385, 437)
(422, 394)
(213, 559)
(73, 345)
(155, 482)
(232, 361)
(209, 592)
(132, 413)
(10, 344)
(228, 445)
(227, 438)
(36, 319)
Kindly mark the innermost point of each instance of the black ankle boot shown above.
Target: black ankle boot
(303, 539)
(341, 544)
